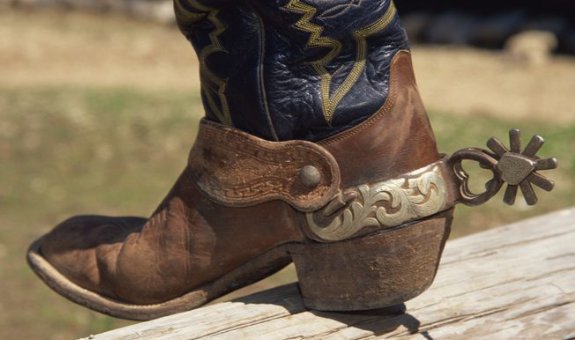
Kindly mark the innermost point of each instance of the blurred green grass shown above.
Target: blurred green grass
(66, 151)
(73, 150)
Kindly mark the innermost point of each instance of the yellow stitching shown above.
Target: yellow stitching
(223, 114)
(317, 40)
(261, 80)
(187, 15)
(360, 38)
(330, 103)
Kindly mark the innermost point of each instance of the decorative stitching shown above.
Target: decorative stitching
(330, 103)
(261, 81)
(387, 106)
(292, 154)
(208, 76)
(187, 15)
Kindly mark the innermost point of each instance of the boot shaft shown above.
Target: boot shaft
(292, 69)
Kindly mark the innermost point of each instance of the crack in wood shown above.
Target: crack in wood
(324, 334)
(241, 325)
(453, 320)
(521, 242)
(541, 310)
(497, 284)
(552, 284)
(559, 256)
(467, 258)
(544, 275)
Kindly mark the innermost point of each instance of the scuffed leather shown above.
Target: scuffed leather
(240, 170)
(187, 242)
(262, 52)
(395, 140)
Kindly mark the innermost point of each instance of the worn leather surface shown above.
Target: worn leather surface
(187, 242)
(395, 140)
(237, 169)
(191, 239)
(292, 69)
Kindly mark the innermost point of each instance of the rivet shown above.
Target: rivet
(310, 176)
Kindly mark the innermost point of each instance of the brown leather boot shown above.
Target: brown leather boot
(363, 213)
(341, 209)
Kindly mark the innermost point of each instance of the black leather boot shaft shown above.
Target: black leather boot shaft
(292, 69)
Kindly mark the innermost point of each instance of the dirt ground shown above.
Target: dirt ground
(455, 80)
(44, 49)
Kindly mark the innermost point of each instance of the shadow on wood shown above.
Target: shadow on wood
(378, 321)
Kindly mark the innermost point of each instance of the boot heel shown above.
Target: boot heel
(373, 271)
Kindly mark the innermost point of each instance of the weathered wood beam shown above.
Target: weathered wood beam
(516, 281)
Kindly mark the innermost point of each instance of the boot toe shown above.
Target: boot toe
(76, 247)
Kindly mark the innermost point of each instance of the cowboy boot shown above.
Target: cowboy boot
(315, 149)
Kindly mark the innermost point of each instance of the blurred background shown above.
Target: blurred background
(99, 104)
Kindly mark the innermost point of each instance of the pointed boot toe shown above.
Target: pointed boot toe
(78, 256)
(187, 253)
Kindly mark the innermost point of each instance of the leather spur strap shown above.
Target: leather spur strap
(236, 169)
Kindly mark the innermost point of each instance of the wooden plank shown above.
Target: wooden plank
(516, 281)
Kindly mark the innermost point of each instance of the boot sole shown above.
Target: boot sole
(376, 271)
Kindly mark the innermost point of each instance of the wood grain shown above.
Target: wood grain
(516, 281)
